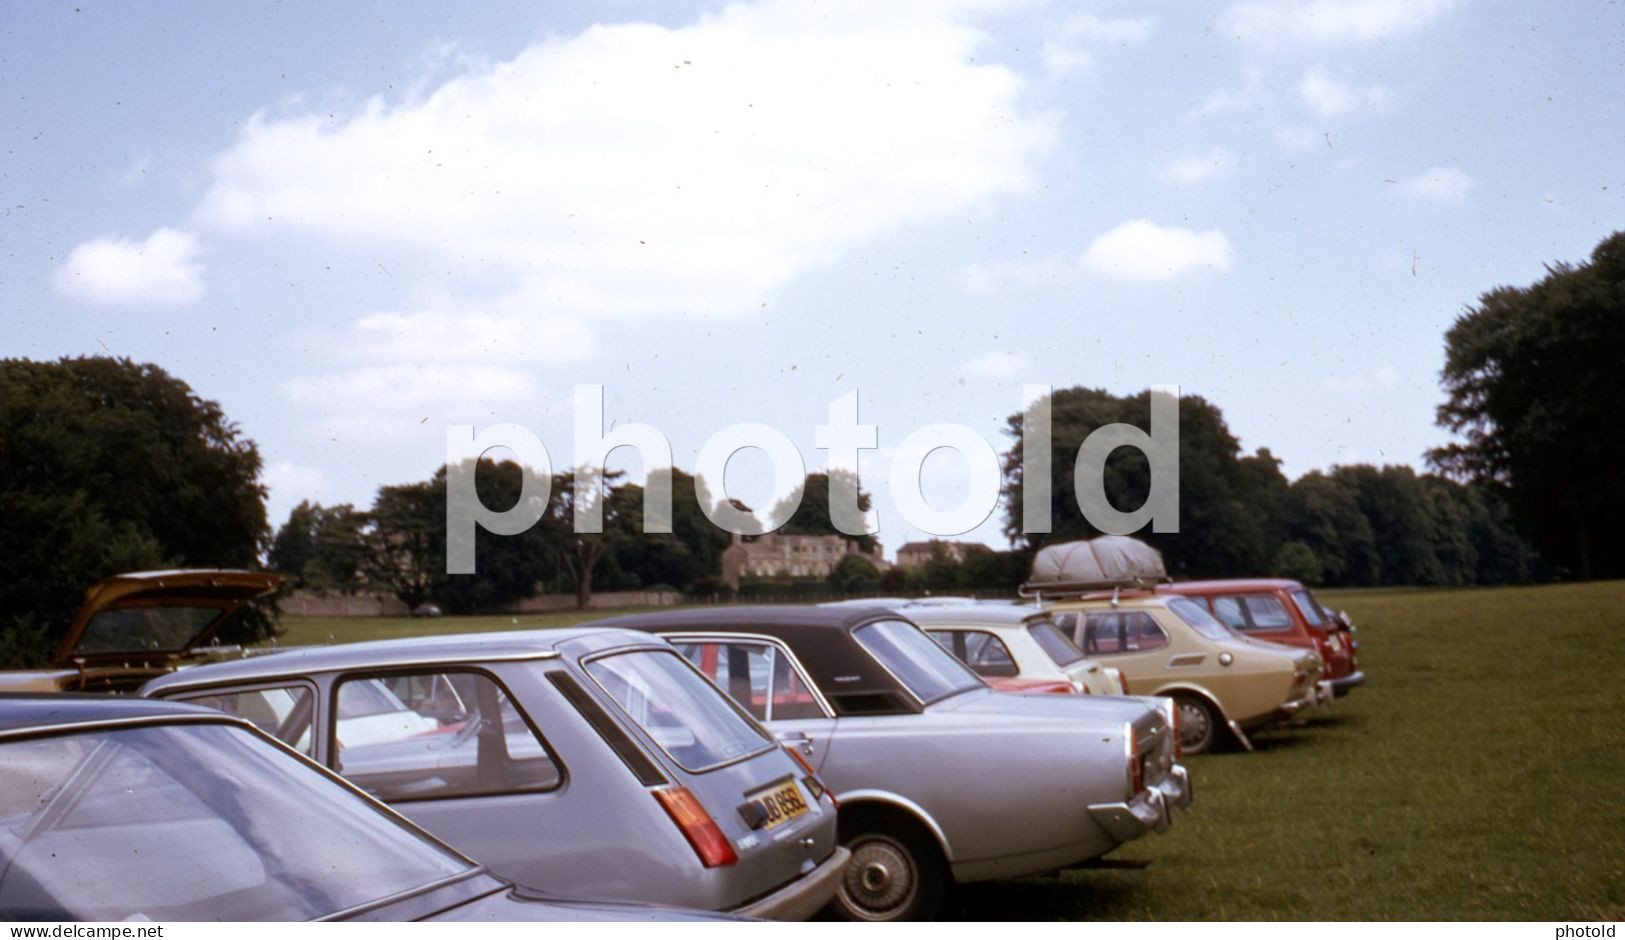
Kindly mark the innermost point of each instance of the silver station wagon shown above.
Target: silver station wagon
(594, 763)
(940, 778)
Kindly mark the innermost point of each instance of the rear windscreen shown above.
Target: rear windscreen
(684, 714)
(1054, 643)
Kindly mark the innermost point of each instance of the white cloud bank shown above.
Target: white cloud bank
(1441, 183)
(1144, 251)
(162, 270)
(1304, 22)
(637, 169)
(996, 365)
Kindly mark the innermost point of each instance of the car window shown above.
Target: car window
(685, 715)
(450, 734)
(924, 668)
(1310, 608)
(283, 711)
(985, 653)
(1230, 612)
(144, 628)
(1055, 644)
(1127, 631)
(1266, 613)
(1197, 616)
(759, 676)
(196, 821)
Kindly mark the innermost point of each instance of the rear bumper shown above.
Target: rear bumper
(1342, 685)
(1319, 694)
(804, 897)
(1151, 810)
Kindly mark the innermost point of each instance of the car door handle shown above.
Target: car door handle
(797, 740)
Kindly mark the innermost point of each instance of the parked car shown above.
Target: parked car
(940, 779)
(120, 809)
(1282, 611)
(132, 627)
(1004, 643)
(1101, 591)
(581, 761)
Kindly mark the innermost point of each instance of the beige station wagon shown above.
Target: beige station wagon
(1170, 645)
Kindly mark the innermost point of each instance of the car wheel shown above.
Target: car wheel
(1199, 724)
(892, 876)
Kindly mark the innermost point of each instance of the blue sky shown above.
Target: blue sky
(353, 225)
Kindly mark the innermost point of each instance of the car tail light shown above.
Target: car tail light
(697, 826)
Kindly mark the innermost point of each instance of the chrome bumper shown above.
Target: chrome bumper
(1321, 693)
(1341, 686)
(1152, 809)
(804, 897)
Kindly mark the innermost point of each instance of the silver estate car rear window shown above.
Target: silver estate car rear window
(192, 822)
(926, 669)
(691, 721)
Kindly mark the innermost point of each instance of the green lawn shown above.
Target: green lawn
(1479, 773)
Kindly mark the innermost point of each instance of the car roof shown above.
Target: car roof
(1229, 585)
(454, 647)
(30, 712)
(820, 637)
(973, 615)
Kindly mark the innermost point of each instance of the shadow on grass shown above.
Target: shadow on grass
(1074, 895)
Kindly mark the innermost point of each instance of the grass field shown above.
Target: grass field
(1479, 774)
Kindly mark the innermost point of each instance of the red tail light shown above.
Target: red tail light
(697, 826)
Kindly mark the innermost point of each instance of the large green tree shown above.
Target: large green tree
(812, 515)
(1226, 511)
(108, 465)
(1533, 385)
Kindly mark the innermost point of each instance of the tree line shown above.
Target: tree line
(108, 465)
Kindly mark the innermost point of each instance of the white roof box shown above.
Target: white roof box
(1109, 561)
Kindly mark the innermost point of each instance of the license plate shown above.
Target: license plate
(781, 803)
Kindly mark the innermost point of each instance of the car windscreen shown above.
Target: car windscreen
(1199, 619)
(685, 715)
(196, 821)
(1055, 644)
(1310, 608)
(922, 666)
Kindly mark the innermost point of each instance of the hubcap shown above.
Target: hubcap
(1194, 725)
(880, 881)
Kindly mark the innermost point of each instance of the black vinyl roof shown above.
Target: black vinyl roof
(820, 637)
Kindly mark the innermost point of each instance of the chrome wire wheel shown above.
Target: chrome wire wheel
(1198, 726)
(881, 881)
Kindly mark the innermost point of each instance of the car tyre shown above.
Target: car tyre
(896, 873)
(1199, 724)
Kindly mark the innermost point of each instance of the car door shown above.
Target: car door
(1134, 642)
(763, 676)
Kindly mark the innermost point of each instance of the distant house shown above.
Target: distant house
(914, 555)
(789, 556)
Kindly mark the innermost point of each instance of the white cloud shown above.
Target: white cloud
(110, 270)
(291, 482)
(1298, 137)
(391, 404)
(1247, 96)
(1025, 273)
(640, 169)
(1144, 251)
(1328, 97)
(1271, 22)
(996, 364)
(1440, 182)
(1197, 167)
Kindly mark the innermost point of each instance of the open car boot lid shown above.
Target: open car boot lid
(150, 618)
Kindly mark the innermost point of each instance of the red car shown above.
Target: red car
(1282, 611)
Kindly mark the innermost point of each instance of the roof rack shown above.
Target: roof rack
(1109, 562)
